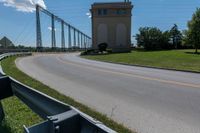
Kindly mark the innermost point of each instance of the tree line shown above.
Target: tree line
(152, 38)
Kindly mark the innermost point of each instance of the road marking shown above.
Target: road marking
(132, 75)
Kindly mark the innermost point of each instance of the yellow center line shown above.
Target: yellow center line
(132, 75)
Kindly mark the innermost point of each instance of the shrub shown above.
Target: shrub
(89, 51)
(109, 50)
(102, 47)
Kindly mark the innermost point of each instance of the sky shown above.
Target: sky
(17, 17)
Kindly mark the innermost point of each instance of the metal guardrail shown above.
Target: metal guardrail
(58, 116)
(5, 55)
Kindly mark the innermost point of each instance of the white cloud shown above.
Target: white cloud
(89, 15)
(23, 5)
(50, 28)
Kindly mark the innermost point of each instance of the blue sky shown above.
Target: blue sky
(19, 26)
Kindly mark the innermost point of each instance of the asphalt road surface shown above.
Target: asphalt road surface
(143, 99)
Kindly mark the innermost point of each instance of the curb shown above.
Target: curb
(161, 68)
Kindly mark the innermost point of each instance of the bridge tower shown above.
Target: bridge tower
(38, 29)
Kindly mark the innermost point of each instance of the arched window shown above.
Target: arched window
(121, 35)
(102, 34)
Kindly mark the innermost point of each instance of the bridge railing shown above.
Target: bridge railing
(58, 116)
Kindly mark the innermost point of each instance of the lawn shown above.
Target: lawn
(18, 114)
(172, 59)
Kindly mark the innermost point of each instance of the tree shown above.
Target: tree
(165, 41)
(152, 38)
(176, 36)
(185, 40)
(194, 30)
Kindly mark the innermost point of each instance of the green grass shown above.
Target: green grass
(172, 59)
(18, 114)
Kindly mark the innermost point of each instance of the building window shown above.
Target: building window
(121, 12)
(105, 11)
(102, 11)
(99, 11)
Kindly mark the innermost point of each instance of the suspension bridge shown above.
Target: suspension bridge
(75, 38)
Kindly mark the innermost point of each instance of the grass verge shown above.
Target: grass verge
(172, 59)
(18, 114)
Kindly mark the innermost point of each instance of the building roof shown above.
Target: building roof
(5, 42)
(112, 5)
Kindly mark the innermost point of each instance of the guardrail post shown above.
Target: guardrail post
(5, 90)
(1, 113)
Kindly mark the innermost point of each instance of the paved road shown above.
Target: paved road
(144, 99)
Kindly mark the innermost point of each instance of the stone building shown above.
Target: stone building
(111, 24)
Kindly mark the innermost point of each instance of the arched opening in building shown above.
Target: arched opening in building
(121, 35)
(102, 34)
